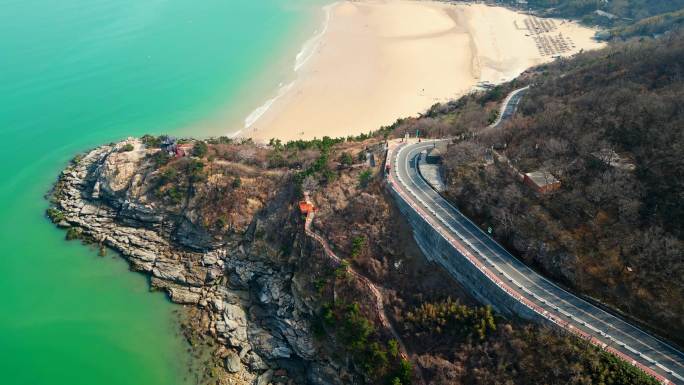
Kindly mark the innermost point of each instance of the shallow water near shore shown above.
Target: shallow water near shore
(75, 74)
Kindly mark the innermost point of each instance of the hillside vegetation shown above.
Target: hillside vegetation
(451, 338)
(625, 10)
(654, 25)
(226, 190)
(614, 231)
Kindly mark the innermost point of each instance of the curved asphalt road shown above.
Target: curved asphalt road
(509, 105)
(563, 308)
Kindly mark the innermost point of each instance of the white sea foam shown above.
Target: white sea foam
(311, 45)
(235, 134)
(259, 112)
(307, 51)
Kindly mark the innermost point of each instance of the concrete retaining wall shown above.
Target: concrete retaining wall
(438, 250)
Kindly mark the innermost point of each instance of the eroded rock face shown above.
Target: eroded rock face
(233, 362)
(120, 170)
(252, 307)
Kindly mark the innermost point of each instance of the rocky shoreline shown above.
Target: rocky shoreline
(245, 301)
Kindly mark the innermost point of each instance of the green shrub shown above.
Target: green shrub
(451, 318)
(126, 148)
(405, 372)
(220, 140)
(322, 144)
(237, 182)
(375, 361)
(220, 223)
(200, 149)
(346, 159)
(495, 94)
(342, 270)
(160, 158)
(360, 339)
(363, 136)
(73, 233)
(358, 243)
(393, 348)
(168, 175)
(320, 284)
(355, 328)
(329, 175)
(276, 160)
(275, 143)
(364, 178)
(151, 141)
(327, 315)
(174, 194)
(195, 171)
(55, 215)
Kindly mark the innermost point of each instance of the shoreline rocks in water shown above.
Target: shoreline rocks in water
(243, 291)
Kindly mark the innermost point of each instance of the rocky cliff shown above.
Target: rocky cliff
(243, 286)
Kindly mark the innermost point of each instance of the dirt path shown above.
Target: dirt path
(377, 293)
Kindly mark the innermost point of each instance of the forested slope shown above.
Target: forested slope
(650, 26)
(612, 232)
(625, 10)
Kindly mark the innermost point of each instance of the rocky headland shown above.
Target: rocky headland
(246, 293)
(272, 296)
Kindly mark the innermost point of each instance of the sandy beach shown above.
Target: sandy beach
(374, 61)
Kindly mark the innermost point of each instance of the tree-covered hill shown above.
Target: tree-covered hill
(651, 26)
(624, 9)
(615, 229)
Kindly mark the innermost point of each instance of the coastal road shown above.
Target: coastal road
(509, 105)
(534, 291)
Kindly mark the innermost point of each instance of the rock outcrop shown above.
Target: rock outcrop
(246, 294)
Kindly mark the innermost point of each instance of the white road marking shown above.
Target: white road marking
(448, 225)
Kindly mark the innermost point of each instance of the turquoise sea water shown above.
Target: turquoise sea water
(77, 73)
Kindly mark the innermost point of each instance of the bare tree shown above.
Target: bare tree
(310, 184)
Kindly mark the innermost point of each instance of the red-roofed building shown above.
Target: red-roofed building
(541, 181)
(306, 207)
